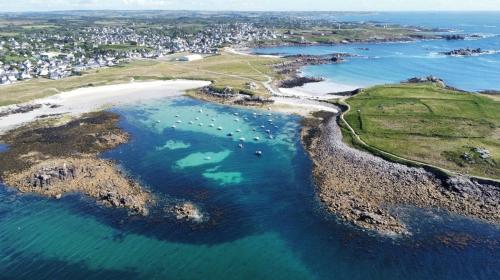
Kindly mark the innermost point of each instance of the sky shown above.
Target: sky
(252, 5)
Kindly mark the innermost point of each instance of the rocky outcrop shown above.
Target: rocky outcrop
(18, 109)
(465, 52)
(230, 96)
(299, 81)
(364, 189)
(429, 79)
(453, 37)
(56, 160)
(187, 211)
(94, 177)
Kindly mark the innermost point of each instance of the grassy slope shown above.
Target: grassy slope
(430, 124)
(224, 70)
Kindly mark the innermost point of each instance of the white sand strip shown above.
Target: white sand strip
(300, 106)
(90, 99)
(320, 90)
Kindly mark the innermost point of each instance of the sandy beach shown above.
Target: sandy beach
(90, 99)
(320, 90)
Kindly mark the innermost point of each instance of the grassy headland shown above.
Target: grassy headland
(430, 124)
(223, 70)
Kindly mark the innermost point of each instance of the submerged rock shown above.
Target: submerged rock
(187, 211)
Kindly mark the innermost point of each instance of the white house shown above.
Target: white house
(191, 57)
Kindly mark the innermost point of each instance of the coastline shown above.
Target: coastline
(76, 102)
(53, 144)
(363, 189)
(54, 160)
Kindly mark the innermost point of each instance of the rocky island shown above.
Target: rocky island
(465, 52)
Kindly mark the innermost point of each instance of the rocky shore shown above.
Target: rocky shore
(465, 52)
(53, 160)
(293, 63)
(299, 81)
(93, 177)
(364, 190)
(230, 96)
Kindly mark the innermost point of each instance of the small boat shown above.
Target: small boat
(271, 137)
(256, 138)
(173, 126)
(269, 114)
(236, 114)
(212, 125)
(219, 128)
(236, 120)
(201, 111)
(262, 126)
(269, 120)
(158, 121)
(254, 129)
(208, 158)
(230, 134)
(176, 116)
(268, 131)
(258, 153)
(191, 122)
(201, 124)
(213, 120)
(238, 130)
(242, 139)
(240, 146)
(197, 118)
(179, 121)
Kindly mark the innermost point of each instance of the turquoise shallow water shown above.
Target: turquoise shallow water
(395, 62)
(264, 220)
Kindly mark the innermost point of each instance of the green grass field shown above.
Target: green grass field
(224, 70)
(430, 124)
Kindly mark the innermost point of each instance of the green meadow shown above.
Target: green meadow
(430, 124)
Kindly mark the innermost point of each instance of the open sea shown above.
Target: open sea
(381, 63)
(264, 220)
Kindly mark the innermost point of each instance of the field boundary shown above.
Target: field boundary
(440, 171)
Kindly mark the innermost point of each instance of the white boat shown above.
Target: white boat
(179, 121)
(173, 126)
(238, 130)
(258, 153)
(242, 139)
(256, 138)
(219, 128)
(240, 146)
(201, 124)
(212, 125)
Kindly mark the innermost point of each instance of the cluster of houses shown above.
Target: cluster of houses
(54, 56)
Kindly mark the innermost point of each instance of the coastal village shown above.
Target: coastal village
(56, 55)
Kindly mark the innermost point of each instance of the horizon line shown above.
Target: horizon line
(246, 11)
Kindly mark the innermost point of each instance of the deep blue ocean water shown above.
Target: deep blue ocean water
(264, 219)
(395, 62)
